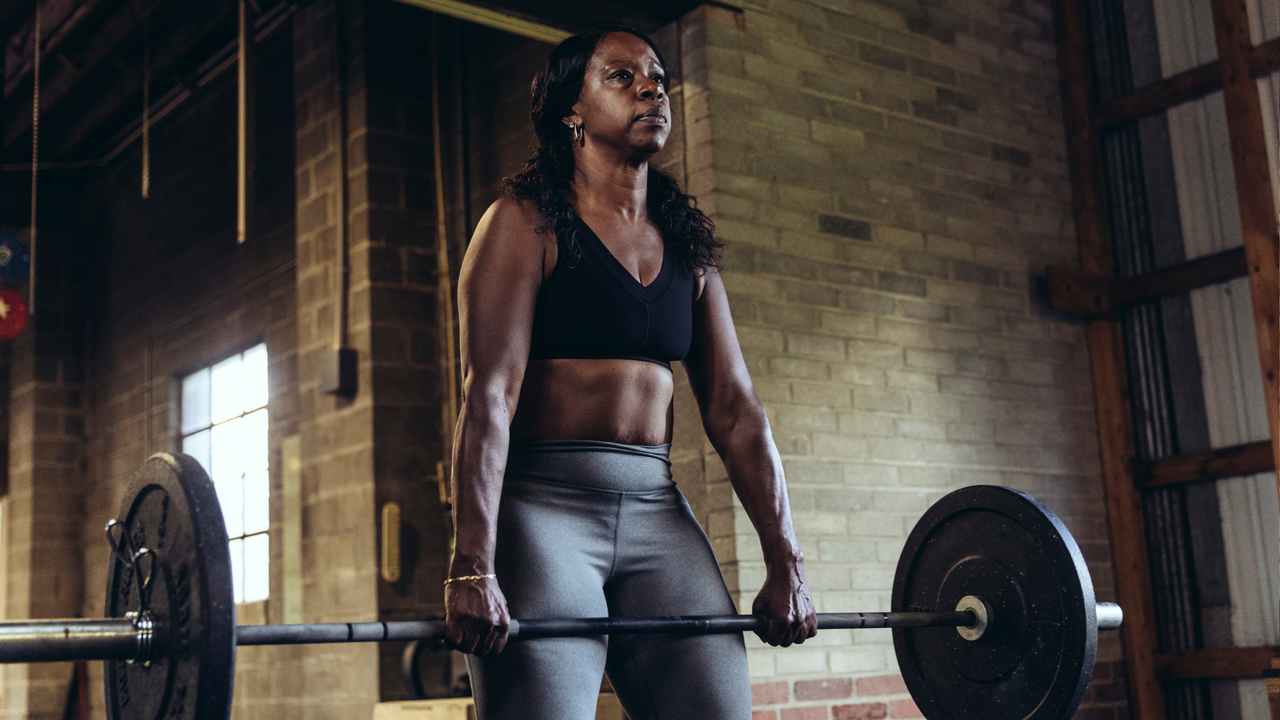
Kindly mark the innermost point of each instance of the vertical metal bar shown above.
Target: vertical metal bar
(1253, 191)
(342, 268)
(244, 117)
(1106, 350)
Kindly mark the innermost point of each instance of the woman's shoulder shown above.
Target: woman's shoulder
(512, 228)
(512, 220)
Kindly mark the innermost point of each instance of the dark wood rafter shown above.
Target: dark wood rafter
(1254, 193)
(109, 100)
(1184, 87)
(1217, 464)
(1106, 351)
(66, 19)
(1095, 295)
(1218, 663)
(60, 80)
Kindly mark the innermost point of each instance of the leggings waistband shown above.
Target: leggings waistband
(592, 464)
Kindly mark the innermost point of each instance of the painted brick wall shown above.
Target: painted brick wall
(890, 179)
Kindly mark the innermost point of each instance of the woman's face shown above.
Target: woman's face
(624, 96)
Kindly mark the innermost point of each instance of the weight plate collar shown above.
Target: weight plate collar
(172, 510)
(1036, 657)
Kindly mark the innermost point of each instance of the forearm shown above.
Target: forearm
(479, 460)
(755, 472)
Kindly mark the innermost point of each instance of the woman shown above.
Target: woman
(576, 294)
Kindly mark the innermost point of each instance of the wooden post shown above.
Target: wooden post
(1257, 203)
(1110, 383)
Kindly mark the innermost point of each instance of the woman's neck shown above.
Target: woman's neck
(610, 186)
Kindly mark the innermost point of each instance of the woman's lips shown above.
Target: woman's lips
(653, 118)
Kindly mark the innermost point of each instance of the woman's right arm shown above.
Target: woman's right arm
(497, 292)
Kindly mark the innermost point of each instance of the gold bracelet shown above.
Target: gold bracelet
(471, 577)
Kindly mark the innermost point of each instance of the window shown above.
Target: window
(224, 427)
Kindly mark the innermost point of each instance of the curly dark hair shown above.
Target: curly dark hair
(545, 178)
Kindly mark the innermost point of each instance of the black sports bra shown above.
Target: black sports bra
(596, 309)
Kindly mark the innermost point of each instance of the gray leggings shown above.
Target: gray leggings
(591, 529)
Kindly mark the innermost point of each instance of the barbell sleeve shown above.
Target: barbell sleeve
(1109, 616)
(61, 640)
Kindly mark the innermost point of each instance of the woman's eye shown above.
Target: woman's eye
(659, 79)
(622, 74)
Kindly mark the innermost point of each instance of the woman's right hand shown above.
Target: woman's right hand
(476, 617)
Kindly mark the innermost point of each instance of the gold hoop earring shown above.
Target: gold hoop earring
(579, 135)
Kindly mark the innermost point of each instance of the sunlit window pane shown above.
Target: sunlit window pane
(224, 427)
(197, 446)
(195, 401)
(227, 386)
(231, 496)
(254, 378)
(237, 569)
(257, 558)
(228, 460)
(253, 440)
(257, 517)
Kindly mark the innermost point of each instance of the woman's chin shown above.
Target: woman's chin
(649, 146)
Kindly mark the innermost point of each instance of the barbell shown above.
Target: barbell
(993, 612)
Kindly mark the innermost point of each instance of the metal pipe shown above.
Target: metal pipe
(59, 640)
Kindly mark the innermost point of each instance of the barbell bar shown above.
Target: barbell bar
(124, 639)
(992, 609)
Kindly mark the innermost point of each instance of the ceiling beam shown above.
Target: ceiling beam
(497, 19)
(125, 88)
(61, 80)
(63, 19)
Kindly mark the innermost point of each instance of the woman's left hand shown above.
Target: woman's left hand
(785, 604)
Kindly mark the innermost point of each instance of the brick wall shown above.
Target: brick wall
(170, 292)
(890, 178)
(43, 510)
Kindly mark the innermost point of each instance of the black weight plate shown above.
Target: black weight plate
(171, 508)
(1036, 657)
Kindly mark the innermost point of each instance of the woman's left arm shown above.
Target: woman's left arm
(738, 429)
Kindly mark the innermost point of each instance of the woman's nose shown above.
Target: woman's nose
(651, 90)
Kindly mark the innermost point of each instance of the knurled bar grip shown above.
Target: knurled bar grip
(118, 639)
(563, 627)
(1108, 618)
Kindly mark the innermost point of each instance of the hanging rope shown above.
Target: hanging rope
(146, 108)
(35, 157)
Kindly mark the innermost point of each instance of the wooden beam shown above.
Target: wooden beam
(1212, 465)
(1273, 687)
(1200, 272)
(101, 45)
(498, 19)
(1094, 295)
(1184, 87)
(1264, 59)
(168, 46)
(1253, 191)
(1106, 353)
(1219, 663)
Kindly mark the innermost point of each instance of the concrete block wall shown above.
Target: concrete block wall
(172, 292)
(340, 546)
(890, 179)
(43, 509)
